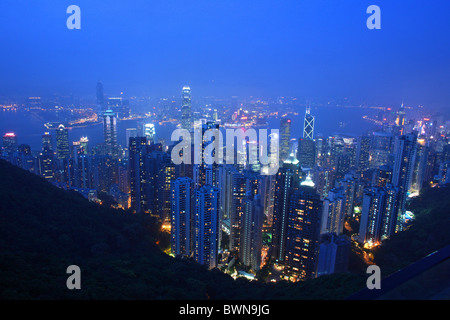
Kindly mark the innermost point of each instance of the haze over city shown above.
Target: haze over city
(316, 50)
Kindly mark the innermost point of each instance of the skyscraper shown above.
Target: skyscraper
(379, 215)
(137, 154)
(150, 133)
(287, 181)
(333, 212)
(46, 164)
(186, 109)
(302, 233)
(110, 133)
(10, 142)
(285, 138)
(363, 153)
(182, 220)
(100, 97)
(251, 231)
(206, 226)
(62, 143)
(308, 127)
(306, 153)
(405, 155)
(47, 141)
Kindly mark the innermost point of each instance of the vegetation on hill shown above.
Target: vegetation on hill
(44, 229)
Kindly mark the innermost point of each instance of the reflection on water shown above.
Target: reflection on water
(329, 120)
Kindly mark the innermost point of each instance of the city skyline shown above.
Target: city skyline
(271, 150)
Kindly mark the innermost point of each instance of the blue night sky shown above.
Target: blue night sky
(309, 49)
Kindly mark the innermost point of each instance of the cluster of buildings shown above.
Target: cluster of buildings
(218, 214)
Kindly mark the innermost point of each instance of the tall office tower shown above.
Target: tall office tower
(206, 226)
(334, 254)
(62, 143)
(324, 180)
(100, 97)
(150, 133)
(389, 221)
(46, 164)
(204, 173)
(137, 154)
(333, 213)
(308, 126)
(379, 215)
(405, 155)
(240, 185)
(287, 180)
(186, 109)
(182, 222)
(130, 133)
(400, 120)
(10, 142)
(251, 231)
(166, 175)
(382, 147)
(419, 170)
(302, 233)
(320, 150)
(306, 153)
(83, 167)
(110, 133)
(47, 141)
(363, 153)
(285, 138)
(383, 176)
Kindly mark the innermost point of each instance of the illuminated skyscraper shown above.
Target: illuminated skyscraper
(287, 181)
(302, 233)
(46, 164)
(110, 133)
(308, 127)
(84, 144)
(206, 226)
(137, 154)
(10, 142)
(405, 155)
(306, 153)
(186, 109)
(47, 141)
(100, 97)
(363, 153)
(379, 215)
(251, 231)
(182, 220)
(285, 138)
(62, 143)
(150, 133)
(333, 213)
